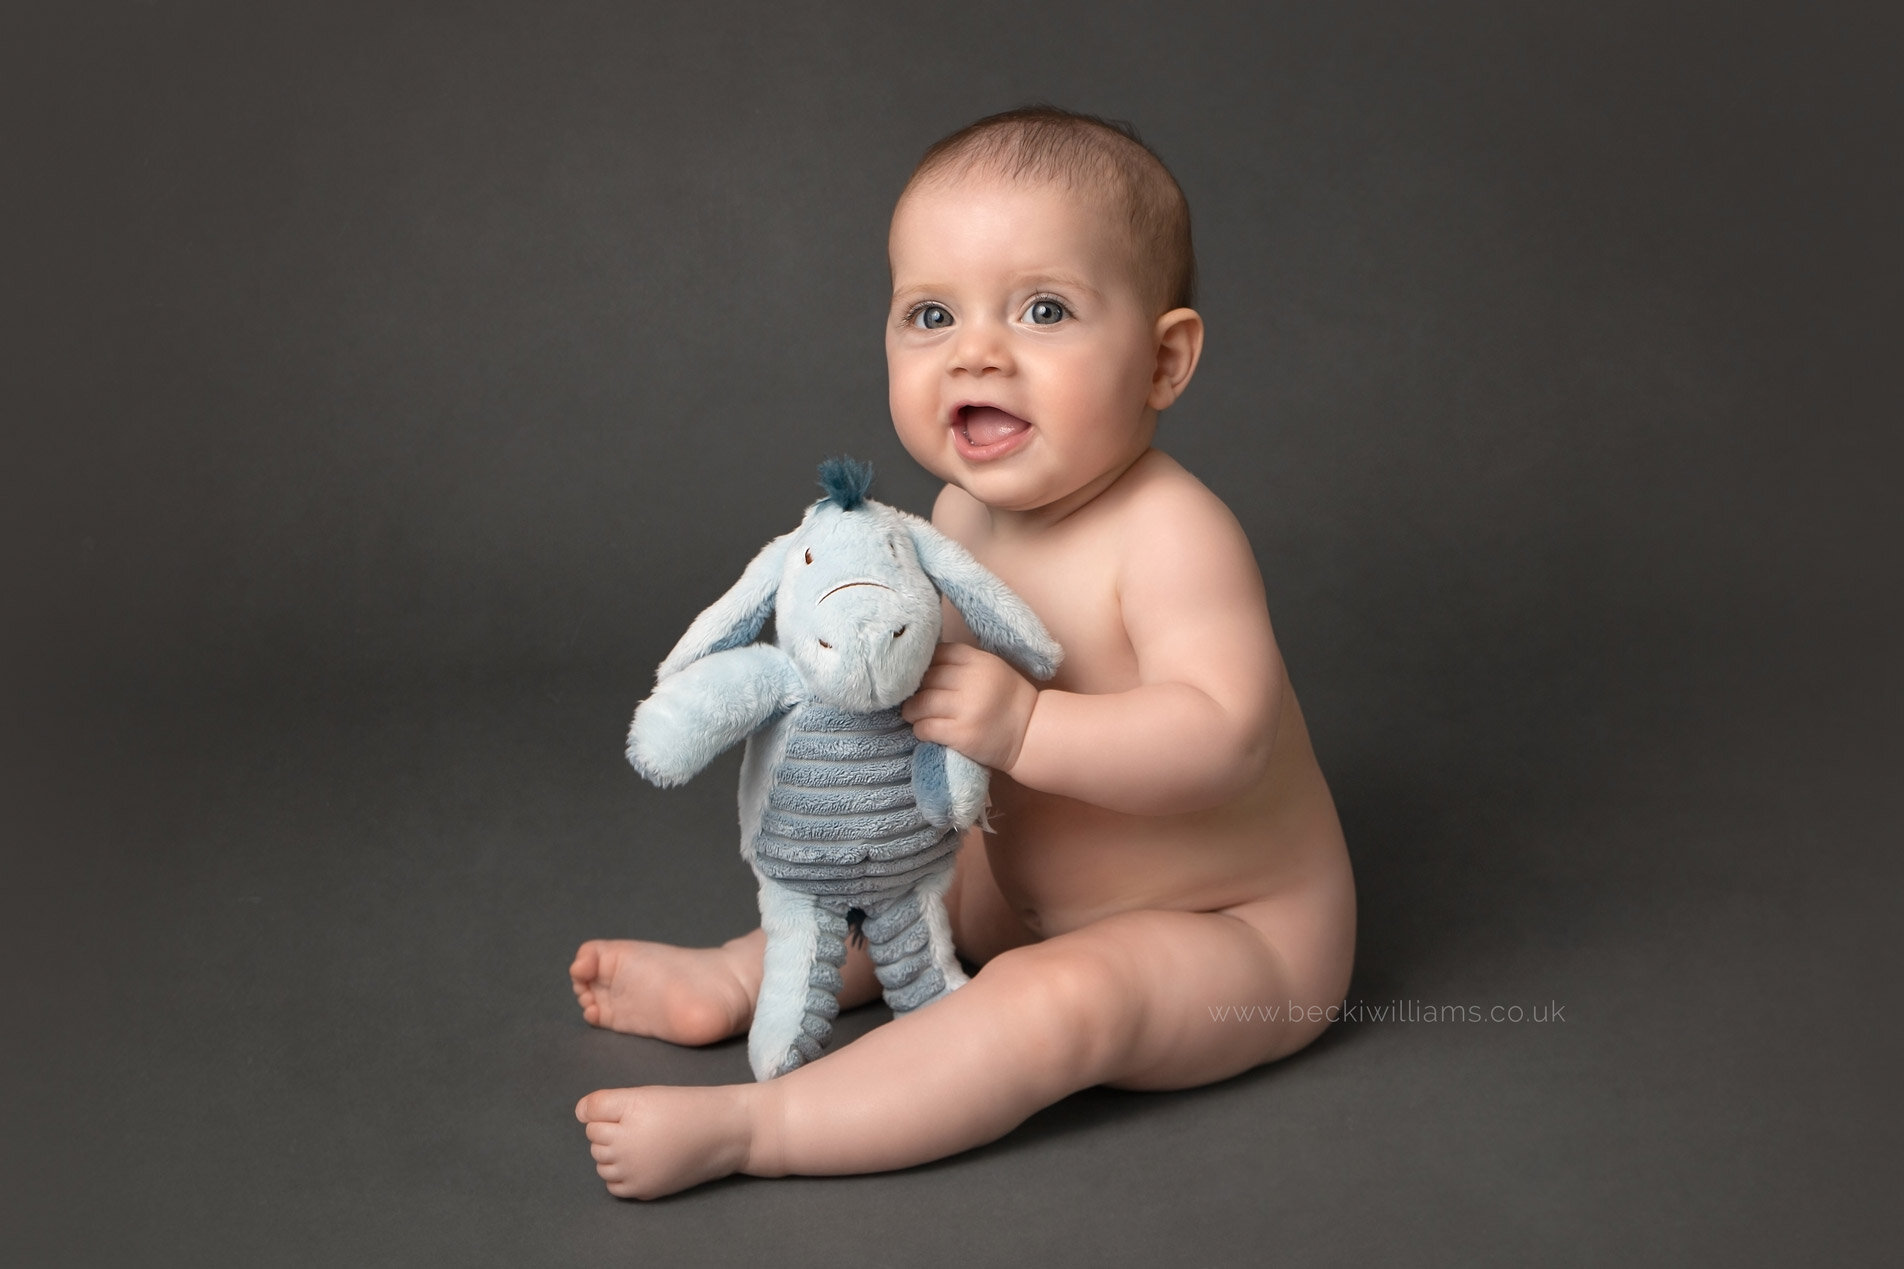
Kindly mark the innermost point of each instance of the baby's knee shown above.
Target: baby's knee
(1078, 1000)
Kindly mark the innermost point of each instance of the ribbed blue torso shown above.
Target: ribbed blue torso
(840, 816)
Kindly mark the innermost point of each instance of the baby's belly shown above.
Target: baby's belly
(1060, 864)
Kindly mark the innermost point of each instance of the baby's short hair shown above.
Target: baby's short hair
(1084, 152)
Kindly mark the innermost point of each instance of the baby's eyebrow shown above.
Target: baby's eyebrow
(917, 289)
(1018, 281)
(1063, 281)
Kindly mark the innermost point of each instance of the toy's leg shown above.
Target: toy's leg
(800, 980)
(910, 942)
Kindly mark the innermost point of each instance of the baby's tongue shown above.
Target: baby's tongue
(988, 425)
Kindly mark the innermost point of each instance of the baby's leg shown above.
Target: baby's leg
(687, 995)
(1141, 999)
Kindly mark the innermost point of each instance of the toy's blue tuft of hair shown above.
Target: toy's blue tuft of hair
(846, 481)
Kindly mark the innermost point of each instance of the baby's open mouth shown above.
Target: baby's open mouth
(986, 425)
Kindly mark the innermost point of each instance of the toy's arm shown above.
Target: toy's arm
(698, 712)
(950, 787)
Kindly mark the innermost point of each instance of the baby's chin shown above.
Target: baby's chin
(1012, 486)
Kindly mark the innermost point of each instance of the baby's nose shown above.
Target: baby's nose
(981, 346)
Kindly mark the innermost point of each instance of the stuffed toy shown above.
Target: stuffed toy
(851, 824)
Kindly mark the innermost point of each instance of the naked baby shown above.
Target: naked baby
(1163, 841)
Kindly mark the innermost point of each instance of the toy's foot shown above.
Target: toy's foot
(685, 995)
(772, 1065)
(652, 1141)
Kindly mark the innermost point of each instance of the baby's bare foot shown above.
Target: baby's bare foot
(652, 1141)
(685, 995)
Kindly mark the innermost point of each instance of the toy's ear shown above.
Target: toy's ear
(1004, 623)
(736, 617)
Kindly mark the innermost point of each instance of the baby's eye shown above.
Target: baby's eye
(931, 317)
(1045, 312)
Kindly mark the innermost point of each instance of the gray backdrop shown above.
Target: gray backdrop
(386, 387)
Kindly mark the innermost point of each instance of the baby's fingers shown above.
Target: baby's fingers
(932, 730)
(957, 654)
(941, 676)
(929, 703)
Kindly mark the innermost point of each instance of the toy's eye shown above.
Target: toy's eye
(825, 644)
(931, 317)
(1045, 313)
(899, 632)
(809, 556)
(893, 547)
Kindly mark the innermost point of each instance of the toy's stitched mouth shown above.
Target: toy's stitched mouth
(844, 585)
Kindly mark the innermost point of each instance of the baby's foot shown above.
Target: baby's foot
(685, 995)
(652, 1141)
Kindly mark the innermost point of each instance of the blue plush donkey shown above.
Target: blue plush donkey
(850, 823)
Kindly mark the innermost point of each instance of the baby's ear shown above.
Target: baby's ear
(1179, 347)
(736, 617)
(1003, 623)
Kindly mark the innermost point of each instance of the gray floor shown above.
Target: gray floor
(289, 989)
(385, 390)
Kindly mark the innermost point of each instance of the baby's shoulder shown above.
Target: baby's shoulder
(1162, 504)
(1178, 540)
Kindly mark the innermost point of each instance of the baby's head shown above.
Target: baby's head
(1096, 161)
(1042, 282)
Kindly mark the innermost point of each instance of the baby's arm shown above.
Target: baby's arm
(1196, 730)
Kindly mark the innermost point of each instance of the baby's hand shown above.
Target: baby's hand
(973, 702)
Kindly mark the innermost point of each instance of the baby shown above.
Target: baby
(1164, 844)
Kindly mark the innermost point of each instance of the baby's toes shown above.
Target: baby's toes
(601, 1110)
(608, 1164)
(604, 1147)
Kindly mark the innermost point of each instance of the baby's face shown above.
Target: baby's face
(1019, 349)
